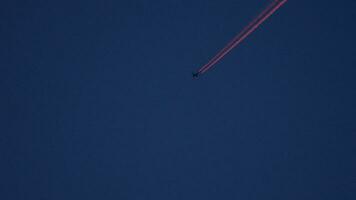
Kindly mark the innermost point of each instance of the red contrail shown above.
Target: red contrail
(239, 35)
(275, 5)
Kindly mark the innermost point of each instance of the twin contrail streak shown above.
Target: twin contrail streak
(239, 35)
(266, 13)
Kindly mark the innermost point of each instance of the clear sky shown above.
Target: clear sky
(98, 102)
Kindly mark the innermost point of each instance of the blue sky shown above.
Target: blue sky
(98, 101)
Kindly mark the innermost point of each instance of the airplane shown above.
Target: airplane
(195, 74)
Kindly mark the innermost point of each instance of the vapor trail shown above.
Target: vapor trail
(263, 13)
(266, 13)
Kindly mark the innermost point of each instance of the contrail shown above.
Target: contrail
(266, 13)
(263, 13)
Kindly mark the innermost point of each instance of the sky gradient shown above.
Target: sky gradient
(98, 101)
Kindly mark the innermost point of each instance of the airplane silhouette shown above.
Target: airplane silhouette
(195, 74)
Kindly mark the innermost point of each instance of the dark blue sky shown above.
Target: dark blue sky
(97, 101)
